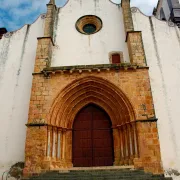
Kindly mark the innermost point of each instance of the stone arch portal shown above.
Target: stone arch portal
(91, 90)
(75, 96)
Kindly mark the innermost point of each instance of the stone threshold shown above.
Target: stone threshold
(62, 170)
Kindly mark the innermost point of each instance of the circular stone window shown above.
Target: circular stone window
(89, 24)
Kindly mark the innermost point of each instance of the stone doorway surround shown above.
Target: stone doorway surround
(123, 91)
(120, 93)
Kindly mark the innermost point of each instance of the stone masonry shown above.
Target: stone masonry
(133, 38)
(123, 91)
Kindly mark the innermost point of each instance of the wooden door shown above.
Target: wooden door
(92, 138)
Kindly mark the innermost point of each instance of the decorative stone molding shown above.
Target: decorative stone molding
(8, 34)
(37, 122)
(106, 96)
(89, 19)
(89, 68)
(171, 24)
(43, 16)
(134, 9)
(58, 100)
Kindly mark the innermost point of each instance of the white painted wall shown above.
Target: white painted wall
(17, 57)
(74, 48)
(162, 48)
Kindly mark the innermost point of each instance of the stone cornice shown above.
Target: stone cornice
(90, 68)
(47, 37)
(36, 124)
(94, 66)
(147, 120)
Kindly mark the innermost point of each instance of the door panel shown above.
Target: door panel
(84, 121)
(92, 138)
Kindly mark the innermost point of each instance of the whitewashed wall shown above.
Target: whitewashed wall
(162, 48)
(17, 57)
(74, 48)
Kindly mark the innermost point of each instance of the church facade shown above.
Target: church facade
(88, 82)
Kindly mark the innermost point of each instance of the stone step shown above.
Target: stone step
(98, 174)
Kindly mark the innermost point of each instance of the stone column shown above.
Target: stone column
(48, 154)
(133, 38)
(59, 135)
(117, 150)
(136, 48)
(45, 44)
(136, 153)
(54, 143)
(37, 128)
(49, 22)
(121, 133)
(126, 145)
(68, 148)
(35, 149)
(149, 148)
(129, 129)
(63, 151)
(128, 22)
(43, 54)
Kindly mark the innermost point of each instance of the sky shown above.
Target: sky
(15, 13)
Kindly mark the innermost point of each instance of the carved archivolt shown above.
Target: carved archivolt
(90, 90)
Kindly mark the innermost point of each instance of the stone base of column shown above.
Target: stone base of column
(66, 163)
(149, 148)
(54, 164)
(130, 161)
(46, 165)
(138, 163)
(59, 164)
(116, 162)
(69, 163)
(121, 162)
(35, 150)
(126, 161)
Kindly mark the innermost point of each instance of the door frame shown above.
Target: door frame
(111, 132)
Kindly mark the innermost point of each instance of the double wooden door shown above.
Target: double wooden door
(92, 138)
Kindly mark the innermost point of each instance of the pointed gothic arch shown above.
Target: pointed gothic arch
(90, 90)
(93, 90)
